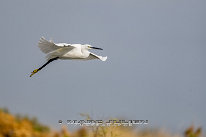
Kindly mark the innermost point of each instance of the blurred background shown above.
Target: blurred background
(155, 69)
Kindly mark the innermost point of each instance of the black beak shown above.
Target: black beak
(96, 48)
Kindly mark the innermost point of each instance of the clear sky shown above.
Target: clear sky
(155, 68)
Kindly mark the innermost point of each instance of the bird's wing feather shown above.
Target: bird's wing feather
(49, 46)
(94, 56)
(46, 46)
(58, 53)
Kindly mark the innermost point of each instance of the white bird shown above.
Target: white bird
(56, 51)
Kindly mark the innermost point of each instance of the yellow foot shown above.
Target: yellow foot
(35, 71)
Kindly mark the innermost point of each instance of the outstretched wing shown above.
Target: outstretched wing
(49, 46)
(94, 56)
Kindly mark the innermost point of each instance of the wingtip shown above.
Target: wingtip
(42, 38)
(104, 58)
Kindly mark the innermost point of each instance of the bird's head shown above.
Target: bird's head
(88, 47)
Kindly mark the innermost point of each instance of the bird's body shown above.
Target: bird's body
(64, 51)
(76, 53)
(68, 51)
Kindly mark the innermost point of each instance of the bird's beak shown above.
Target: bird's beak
(96, 48)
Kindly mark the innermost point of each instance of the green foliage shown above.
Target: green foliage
(37, 126)
(191, 132)
(5, 110)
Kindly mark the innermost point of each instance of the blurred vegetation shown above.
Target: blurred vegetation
(24, 126)
(191, 132)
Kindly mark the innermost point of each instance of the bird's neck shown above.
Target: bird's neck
(85, 53)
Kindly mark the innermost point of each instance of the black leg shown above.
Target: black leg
(36, 70)
(48, 63)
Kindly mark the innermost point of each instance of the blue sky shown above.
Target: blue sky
(155, 68)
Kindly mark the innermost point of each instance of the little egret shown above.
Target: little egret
(56, 51)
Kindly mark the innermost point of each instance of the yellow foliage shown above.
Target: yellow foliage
(10, 126)
(18, 126)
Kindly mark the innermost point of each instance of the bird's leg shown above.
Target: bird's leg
(36, 70)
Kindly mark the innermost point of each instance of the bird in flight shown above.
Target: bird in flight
(64, 51)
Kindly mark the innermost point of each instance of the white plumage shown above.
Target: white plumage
(56, 51)
(68, 51)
